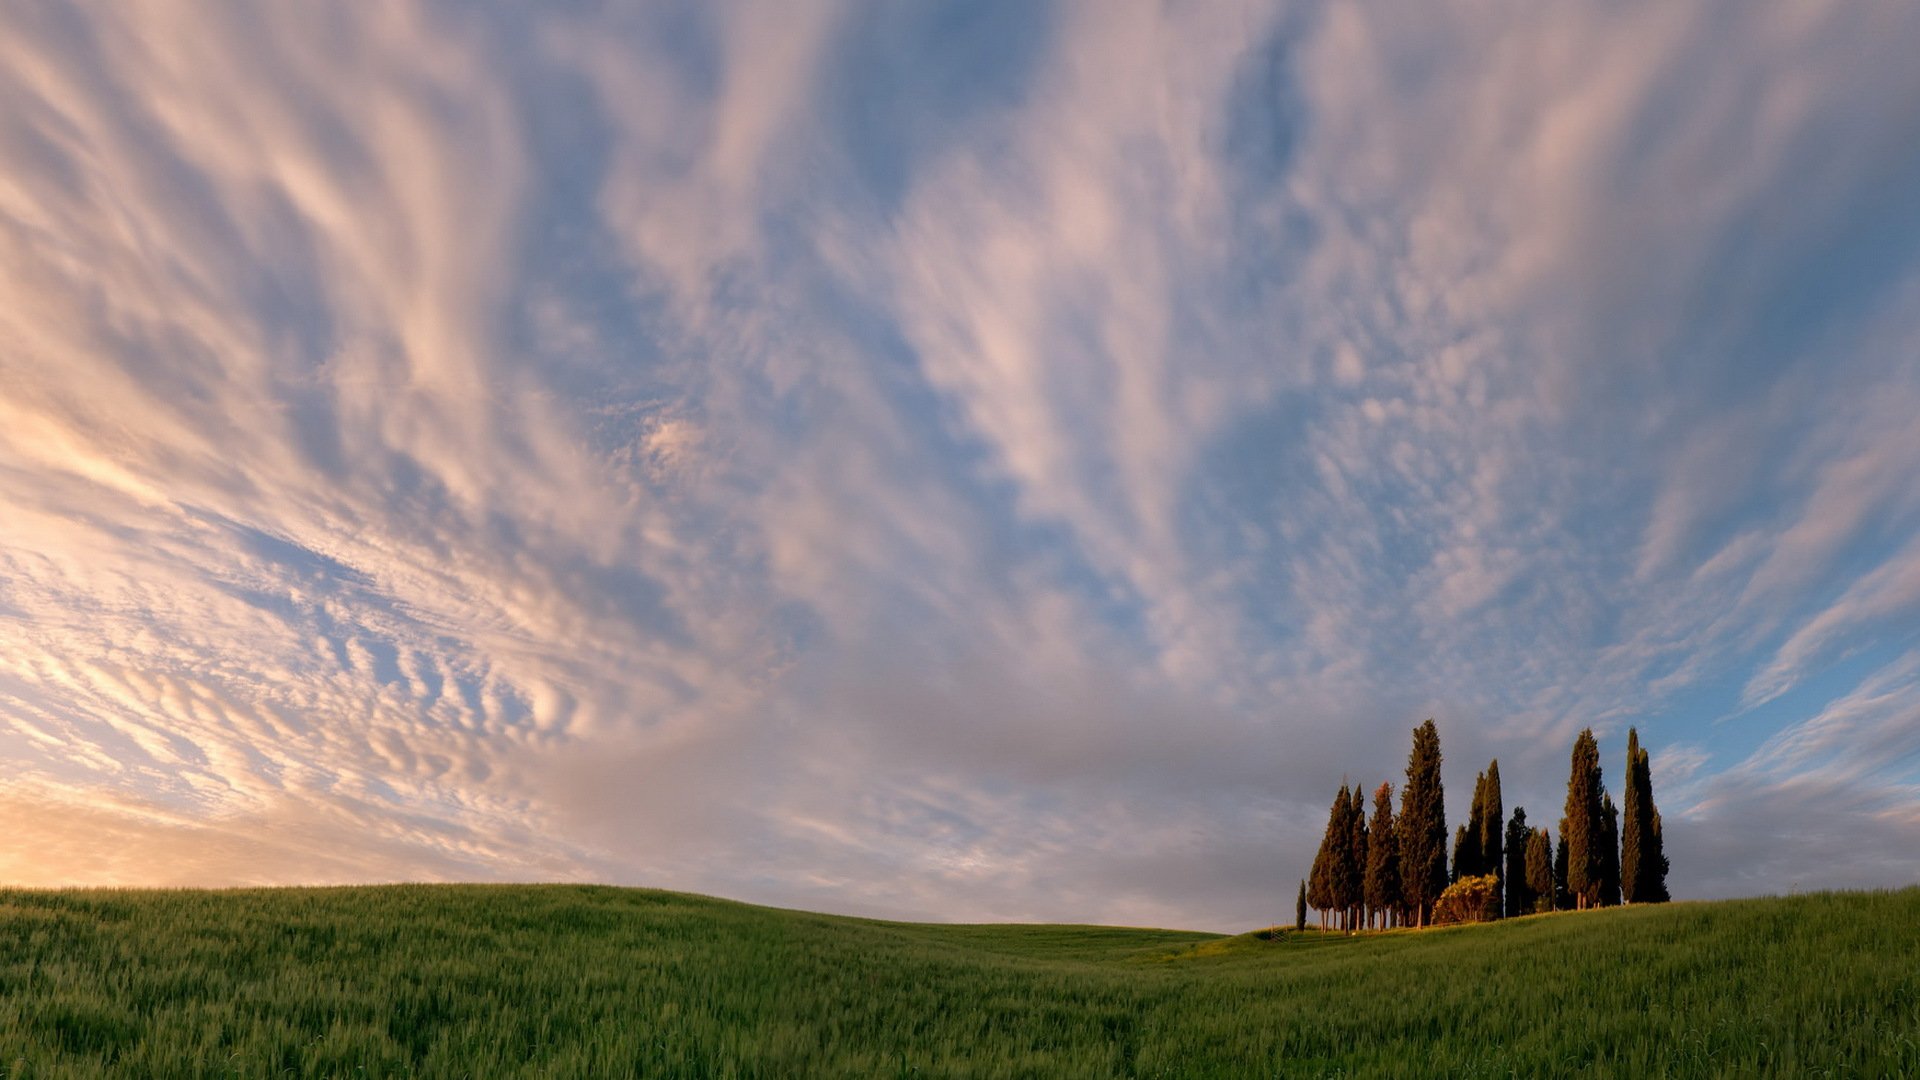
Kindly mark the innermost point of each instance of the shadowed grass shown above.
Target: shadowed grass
(491, 981)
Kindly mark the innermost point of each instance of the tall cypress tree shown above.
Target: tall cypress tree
(1492, 811)
(1356, 858)
(1609, 850)
(1540, 870)
(1383, 858)
(1519, 898)
(1657, 855)
(1340, 858)
(1300, 907)
(1635, 824)
(1583, 843)
(1320, 884)
(1562, 899)
(1317, 882)
(1643, 860)
(1423, 825)
(1467, 860)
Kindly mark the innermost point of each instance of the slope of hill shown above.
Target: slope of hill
(561, 980)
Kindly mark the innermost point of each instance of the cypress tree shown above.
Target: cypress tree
(1356, 858)
(1519, 898)
(1609, 850)
(1657, 858)
(1340, 858)
(1317, 877)
(1492, 811)
(1320, 883)
(1540, 869)
(1643, 862)
(1383, 858)
(1423, 825)
(1466, 838)
(1635, 824)
(1300, 907)
(1584, 841)
(1562, 899)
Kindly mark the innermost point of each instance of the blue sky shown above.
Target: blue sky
(976, 461)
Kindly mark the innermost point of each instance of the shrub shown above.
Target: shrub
(1471, 899)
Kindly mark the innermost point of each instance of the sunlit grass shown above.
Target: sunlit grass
(558, 980)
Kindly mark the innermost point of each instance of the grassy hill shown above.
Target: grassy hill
(558, 980)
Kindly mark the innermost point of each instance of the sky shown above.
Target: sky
(1008, 459)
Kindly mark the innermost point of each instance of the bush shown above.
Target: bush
(1471, 899)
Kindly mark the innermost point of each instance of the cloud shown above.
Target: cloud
(1828, 799)
(1008, 462)
(1890, 589)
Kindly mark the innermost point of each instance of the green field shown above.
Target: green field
(491, 981)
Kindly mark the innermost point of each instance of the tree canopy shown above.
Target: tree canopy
(1643, 862)
(1393, 869)
(1353, 868)
(1383, 858)
(1423, 825)
(1491, 817)
(1540, 875)
(1583, 836)
(1519, 895)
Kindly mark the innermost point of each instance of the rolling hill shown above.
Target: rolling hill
(487, 981)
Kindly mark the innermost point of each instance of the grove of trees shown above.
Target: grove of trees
(1393, 871)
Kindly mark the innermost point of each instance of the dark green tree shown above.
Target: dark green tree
(1634, 825)
(1492, 814)
(1300, 907)
(1584, 842)
(1609, 850)
(1467, 860)
(1383, 859)
(1656, 878)
(1356, 865)
(1540, 869)
(1562, 899)
(1340, 874)
(1320, 882)
(1423, 826)
(1643, 865)
(1316, 884)
(1519, 897)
